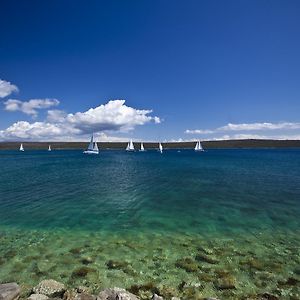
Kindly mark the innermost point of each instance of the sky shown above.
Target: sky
(149, 70)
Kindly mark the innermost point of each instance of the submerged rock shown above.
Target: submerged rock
(206, 258)
(116, 294)
(187, 264)
(84, 296)
(156, 297)
(37, 297)
(190, 290)
(120, 265)
(145, 291)
(114, 264)
(9, 291)
(267, 296)
(256, 264)
(75, 251)
(207, 251)
(82, 272)
(226, 283)
(44, 266)
(166, 291)
(75, 295)
(206, 277)
(82, 289)
(86, 260)
(50, 288)
(289, 282)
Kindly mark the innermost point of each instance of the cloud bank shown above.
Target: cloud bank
(7, 88)
(29, 107)
(247, 127)
(264, 130)
(112, 117)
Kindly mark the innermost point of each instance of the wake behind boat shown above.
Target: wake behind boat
(92, 148)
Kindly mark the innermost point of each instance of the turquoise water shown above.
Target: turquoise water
(219, 223)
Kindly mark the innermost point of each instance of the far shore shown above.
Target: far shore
(221, 144)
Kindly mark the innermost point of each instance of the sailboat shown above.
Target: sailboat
(21, 148)
(130, 146)
(198, 147)
(92, 148)
(142, 147)
(49, 148)
(160, 148)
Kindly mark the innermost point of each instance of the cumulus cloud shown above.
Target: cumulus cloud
(113, 116)
(6, 88)
(56, 115)
(29, 107)
(247, 127)
(38, 131)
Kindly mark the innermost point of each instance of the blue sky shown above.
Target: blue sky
(206, 69)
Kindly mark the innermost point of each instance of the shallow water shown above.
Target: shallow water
(220, 223)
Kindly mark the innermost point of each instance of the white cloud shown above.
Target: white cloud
(199, 131)
(259, 136)
(29, 107)
(259, 126)
(37, 131)
(6, 88)
(56, 115)
(247, 127)
(113, 116)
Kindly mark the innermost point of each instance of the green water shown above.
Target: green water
(223, 223)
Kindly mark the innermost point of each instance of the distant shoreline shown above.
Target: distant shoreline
(227, 144)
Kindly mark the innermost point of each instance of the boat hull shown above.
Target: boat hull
(90, 152)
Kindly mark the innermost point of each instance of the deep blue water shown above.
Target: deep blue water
(215, 192)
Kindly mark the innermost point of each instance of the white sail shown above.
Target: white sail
(95, 147)
(142, 147)
(92, 148)
(160, 148)
(91, 144)
(21, 147)
(49, 148)
(198, 146)
(130, 146)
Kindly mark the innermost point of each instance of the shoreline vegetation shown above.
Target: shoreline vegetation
(222, 144)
